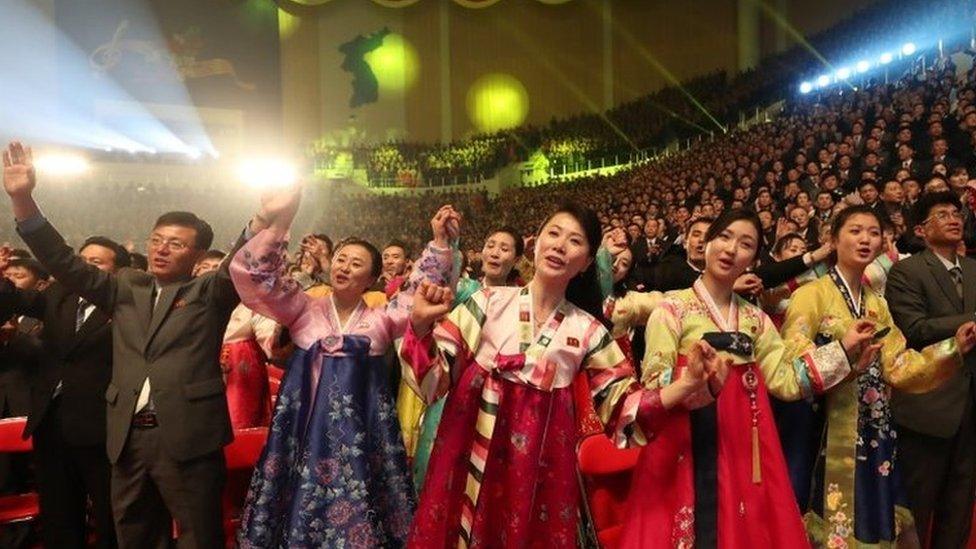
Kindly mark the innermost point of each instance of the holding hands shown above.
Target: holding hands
(446, 226)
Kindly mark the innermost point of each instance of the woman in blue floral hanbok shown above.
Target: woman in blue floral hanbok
(334, 471)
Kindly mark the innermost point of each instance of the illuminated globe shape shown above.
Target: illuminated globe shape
(497, 101)
(395, 64)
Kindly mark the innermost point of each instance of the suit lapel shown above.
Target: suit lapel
(943, 278)
(166, 297)
(95, 320)
(142, 296)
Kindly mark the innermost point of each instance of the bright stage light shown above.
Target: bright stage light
(497, 101)
(863, 66)
(886, 58)
(908, 48)
(61, 164)
(823, 80)
(267, 172)
(806, 87)
(843, 73)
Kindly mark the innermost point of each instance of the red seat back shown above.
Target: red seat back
(244, 451)
(605, 472)
(275, 372)
(11, 435)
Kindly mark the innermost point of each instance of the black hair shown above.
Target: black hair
(784, 241)
(20, 253)
(838, 223)
(328, 241)
(204, 233)
(927, 201)
(32, 265)
(122, 258)
(729, 217)
(375, 257)
(396, 242)
(584, 289)
(697, 220)
(510, 231)
(138, 261)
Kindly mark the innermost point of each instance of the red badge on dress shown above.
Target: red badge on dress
(179, 304)
(523, 316)
(572, 342)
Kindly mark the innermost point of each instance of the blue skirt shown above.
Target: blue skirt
(334, 471)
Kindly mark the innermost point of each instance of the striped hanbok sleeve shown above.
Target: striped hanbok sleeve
(427, 360)
(628, 411)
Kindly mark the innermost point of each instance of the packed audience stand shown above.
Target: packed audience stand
(336, 356)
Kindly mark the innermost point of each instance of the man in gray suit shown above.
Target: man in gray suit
(167, 413)
(931, 295)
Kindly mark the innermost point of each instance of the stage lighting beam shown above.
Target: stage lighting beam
(886, 58)
(61, 164)
(806, 87)
(908, 49)
(863, 66)
(267, 172)
(823, 80)
(843, 73)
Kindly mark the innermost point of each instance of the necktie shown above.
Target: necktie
(144, 401)
(956, 273)
(82, 314)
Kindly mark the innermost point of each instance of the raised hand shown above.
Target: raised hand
(430, 302)
(966, 337)
(18, 170)
(445, 225)
(615, 241)
(279, 206)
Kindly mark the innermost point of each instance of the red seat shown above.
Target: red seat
(604, 471)
(18, 507)
(241, 455)
(605, 474)
(275, 372)
(274, 384)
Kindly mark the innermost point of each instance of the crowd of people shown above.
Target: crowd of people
(770, 336)
(703, 105)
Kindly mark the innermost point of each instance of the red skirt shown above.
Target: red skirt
(749, 514)
(248, 393)
(529, 494)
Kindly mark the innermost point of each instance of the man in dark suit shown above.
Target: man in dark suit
(648, 249)
(931, 295)
(66, 414)
(167, 418)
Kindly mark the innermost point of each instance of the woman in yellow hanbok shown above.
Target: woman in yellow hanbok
(856, 498)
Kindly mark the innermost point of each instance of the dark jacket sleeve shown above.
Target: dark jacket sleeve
(909, 309)
(775, 273)
(222, 291)
(96, 286)
(19, 302)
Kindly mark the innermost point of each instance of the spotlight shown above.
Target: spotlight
(863, 66)
(843, 73)
(908, 48)
(886, 58)
(823, 80)
(61, 164)
(806, 87)
(267, 172)
(194, 154)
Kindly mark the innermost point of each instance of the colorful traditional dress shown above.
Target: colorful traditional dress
(248, 341)
(503, 469)
(466, 287)
(716, 477)
(856, 498)
(334, 471)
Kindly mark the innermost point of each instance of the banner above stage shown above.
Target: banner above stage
(473, 4)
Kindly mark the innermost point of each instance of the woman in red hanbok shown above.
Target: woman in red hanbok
(503, 468)
(716, 476)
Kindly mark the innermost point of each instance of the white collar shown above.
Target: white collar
(949, 265)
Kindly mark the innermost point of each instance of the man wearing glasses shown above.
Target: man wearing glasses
(167, 414)
(930, 295)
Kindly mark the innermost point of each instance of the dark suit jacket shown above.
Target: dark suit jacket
(925, 306)
(176, 344)
(645, 263)
(18, 361)
(81, 361)
(674, 273)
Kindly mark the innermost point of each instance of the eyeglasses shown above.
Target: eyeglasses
(945, 215)
(157, 242)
